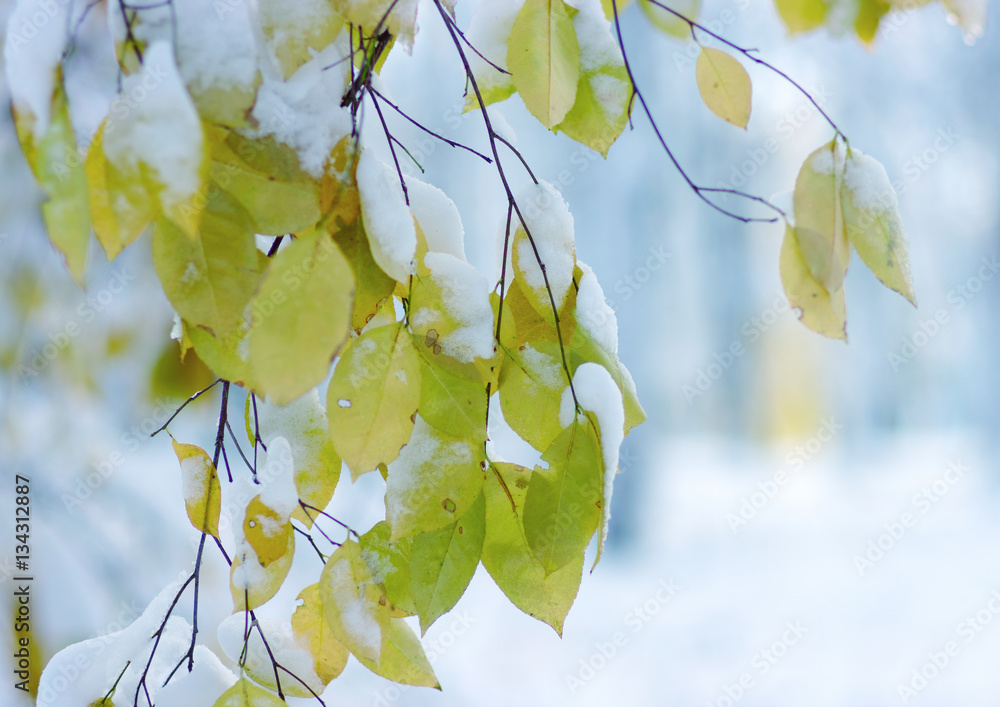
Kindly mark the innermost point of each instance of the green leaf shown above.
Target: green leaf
(819, 221)
(310, 627)
(389, 563)
(372, 398)
(373, 287)
(265, 177)
(603, 94)
(821, 311)
(433, 482)
(544, 59)
(562, 508)
(532, 381)
(121, 204)
(874, 228)
(443, 561)
(509, 559)
(450, 402)
(57, 166)
(225, 356)
(200, 483)
(802, 15)
(301, 317)
(667, 21)
(246, 694)
(403, 659)
(724, 86)
(209, 280)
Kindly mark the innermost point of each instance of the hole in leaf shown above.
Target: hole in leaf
(448, 505)
(344, 403)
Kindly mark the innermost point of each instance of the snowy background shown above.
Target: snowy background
(733, 573)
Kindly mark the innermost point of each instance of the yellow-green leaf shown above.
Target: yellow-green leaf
(724, 86)
(532, 380)
(57, 166)
(403, 659)
(301, 317)
(372, 398)
(200, 483)
(820, 310)
(246, 694)
(310, 627)
(562, 508)
(609, 8)
(874, 228)
(443, 561)
(121, 205)
(209, 280)
(870, 14)
(544, 59)
(295, 37)
(509, 559)
(389, 563)
(433, 482)
(450, 402)
(802, 15)
(819, 220)
(266, 178)
(357, 610)
(374, 287)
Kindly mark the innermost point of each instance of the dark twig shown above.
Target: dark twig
(184, 405)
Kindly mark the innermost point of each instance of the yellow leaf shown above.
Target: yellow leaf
(310, 627)
(266, 531)
(667, 21)
(301, 317)
(724, 86)
(821, 311)
(544, 59)
(245, 694)
(819, 220)
(253, 584)
(200, 483)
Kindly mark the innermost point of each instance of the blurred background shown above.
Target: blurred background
(759, 552)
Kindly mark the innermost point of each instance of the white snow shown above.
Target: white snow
(598, 47)
(593, 312)
(866, 179)
(195, 472)
(357, 620)
(969, 15)
(611, 92)
(236, 496)
(488, 32)
(36, 38)
(597, 392)
(465, 293)
(824, 161)
(304, 112)
(418, 465)
(107, 656)
(387, 219)
(216, 48)
(546, 369)
(551, 226)
(303, 423)
(438, 218)
(154, 123)
(276, 474)
(199, 688)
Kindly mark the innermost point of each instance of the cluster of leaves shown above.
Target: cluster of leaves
(282, 266)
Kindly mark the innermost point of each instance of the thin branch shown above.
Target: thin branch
(430, 132)
(749, 54)
(184, 405)
(517, 154)
(392, 149)
(698, 190)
